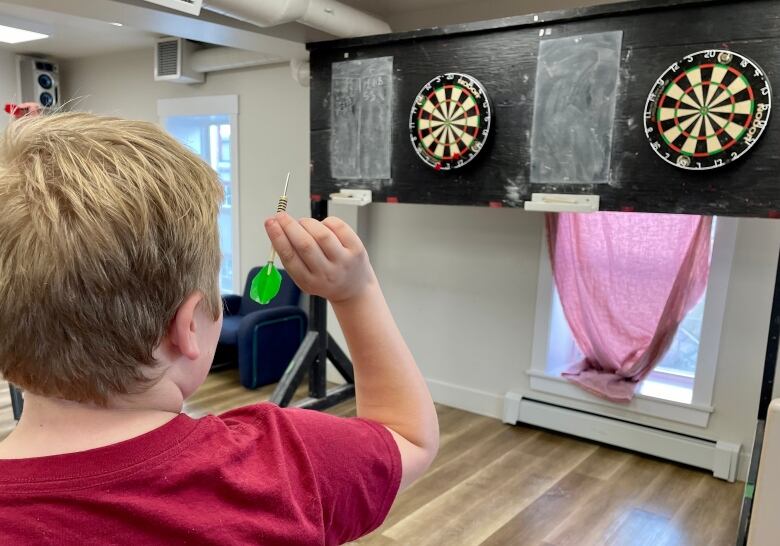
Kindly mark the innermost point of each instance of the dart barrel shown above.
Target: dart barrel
(282, 206)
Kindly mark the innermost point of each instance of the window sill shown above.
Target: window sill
(668, 387)
(642, 404)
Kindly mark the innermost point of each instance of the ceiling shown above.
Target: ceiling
(383, 7)
(404, 15)
(70, 36)
(478, 7)
(80, 28)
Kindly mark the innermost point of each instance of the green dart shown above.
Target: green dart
(266, 284)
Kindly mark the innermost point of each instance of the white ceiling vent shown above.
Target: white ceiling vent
(187, 6)
(172, 62)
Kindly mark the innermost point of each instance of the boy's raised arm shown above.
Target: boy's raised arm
(329, 260)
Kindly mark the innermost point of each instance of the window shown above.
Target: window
(673, 378)
(207, 125)
(684, 377)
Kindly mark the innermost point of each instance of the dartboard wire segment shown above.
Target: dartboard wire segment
(708, 109)
(450, 121)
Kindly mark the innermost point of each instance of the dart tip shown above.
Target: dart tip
(286, 183)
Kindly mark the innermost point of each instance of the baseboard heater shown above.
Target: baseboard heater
(719, 457)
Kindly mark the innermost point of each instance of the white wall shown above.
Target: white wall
(273, 125)
(7, 84)
(462, 283)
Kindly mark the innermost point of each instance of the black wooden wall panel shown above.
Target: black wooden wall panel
(504, 60)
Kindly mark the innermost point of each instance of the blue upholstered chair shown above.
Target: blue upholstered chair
(262, 338)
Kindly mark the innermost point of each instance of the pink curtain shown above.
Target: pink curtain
(626, 281)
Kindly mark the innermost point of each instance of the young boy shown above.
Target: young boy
(109, 317)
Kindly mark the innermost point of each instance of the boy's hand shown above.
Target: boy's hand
(324, 258)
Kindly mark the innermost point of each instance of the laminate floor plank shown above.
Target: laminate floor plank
(542, 516)
(591, 522)
(709, 516)
(489, 498)
(442, 479)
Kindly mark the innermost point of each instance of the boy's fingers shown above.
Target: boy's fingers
(343, 232)
(303, 243)
(292, 262)
(327, 240)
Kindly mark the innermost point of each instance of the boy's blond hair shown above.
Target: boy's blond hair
(106, 226)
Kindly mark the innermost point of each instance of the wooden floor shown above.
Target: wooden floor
(494, 484)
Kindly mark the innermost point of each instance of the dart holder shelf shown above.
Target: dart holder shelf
(311, 359)
(347, 196)
(555, 202)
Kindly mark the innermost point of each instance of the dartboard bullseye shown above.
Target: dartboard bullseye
(708, 109)
(450, 121)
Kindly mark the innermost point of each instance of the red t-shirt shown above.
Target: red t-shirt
(254, 475)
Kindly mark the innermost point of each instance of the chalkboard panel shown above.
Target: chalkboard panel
(345, 119)
(361, 118)
(504, 59)
(574, 109)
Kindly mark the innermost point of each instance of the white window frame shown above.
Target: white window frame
(699, 410)
(218, 105)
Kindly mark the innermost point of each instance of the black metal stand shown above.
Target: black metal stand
(767, 386)
(17, 401)
(316, 349)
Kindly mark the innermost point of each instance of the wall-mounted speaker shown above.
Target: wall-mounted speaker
(39, 81)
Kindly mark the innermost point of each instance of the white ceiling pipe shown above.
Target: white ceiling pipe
(326, 15)
(342, 20)
(214, 59)
(301, 72)
(263, 13)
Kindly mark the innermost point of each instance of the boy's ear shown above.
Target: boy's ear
(182, 333)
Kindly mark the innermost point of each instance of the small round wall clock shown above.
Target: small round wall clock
(707, 110)
(450, 121)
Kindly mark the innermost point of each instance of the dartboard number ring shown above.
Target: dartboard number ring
(450, 121)
(707, 110)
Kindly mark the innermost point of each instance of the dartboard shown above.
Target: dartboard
(450, 121)
(708, 109)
